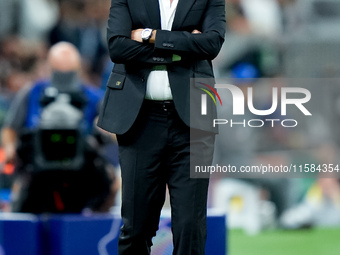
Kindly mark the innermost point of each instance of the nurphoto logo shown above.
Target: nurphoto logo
(294, 96)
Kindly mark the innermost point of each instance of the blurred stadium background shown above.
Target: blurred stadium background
(281, 40)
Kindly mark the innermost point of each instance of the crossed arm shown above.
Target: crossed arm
(125, 43)
(137, 35)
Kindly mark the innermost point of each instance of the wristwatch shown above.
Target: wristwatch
(146, 34)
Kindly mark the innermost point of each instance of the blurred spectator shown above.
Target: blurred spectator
(21, 62)
(36, 18)
(29, 27)
(239, 145)
(264, 17)
(261, 17)
(24, 34)
(253, 26)
(83, 23)
(57, 190)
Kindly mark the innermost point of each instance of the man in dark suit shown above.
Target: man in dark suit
(158, 46)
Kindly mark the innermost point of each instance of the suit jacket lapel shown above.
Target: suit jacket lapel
(182, 9)
(152, 8)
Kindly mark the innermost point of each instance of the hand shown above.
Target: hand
(136, 35)
(196, 32)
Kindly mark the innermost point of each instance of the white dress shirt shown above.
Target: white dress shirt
(158, 85)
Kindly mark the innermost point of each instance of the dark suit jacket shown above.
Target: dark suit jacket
(133, 60)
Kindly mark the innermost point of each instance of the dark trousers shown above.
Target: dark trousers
(154, 153)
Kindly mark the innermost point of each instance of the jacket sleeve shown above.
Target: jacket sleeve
(201, 46)
(122, 48)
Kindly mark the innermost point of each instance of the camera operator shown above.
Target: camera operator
(57, 173)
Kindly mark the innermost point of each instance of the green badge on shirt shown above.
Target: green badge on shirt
(176, 57)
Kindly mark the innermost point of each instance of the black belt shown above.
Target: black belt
(160, 104)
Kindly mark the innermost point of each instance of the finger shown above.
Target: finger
(196, 32)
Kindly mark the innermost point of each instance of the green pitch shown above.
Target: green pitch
(279, 242)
